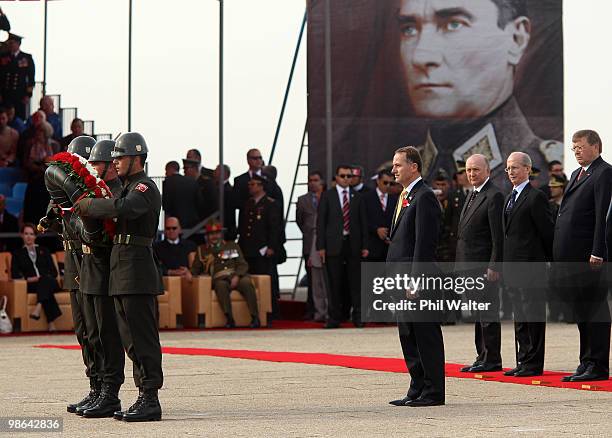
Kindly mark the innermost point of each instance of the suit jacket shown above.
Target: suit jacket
(229, 216)
(609, 231)
(480, 237)
(580, 229)
(306, 219)
(330, 223)
(528, 230)
(377, 218)
(22, 266)
(181, 198)
(414, 236)
(241, 191)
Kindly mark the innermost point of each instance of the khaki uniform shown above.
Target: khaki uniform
(222, 262)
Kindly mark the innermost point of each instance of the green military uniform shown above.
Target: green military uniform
(451, 212)
(222, 262)
(100, 315)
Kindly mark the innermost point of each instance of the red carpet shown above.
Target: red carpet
(550, 378)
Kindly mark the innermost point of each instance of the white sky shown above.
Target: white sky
(175, 68)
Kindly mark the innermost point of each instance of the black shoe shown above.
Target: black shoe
(527, 373)
(467, 368)
(34, 317)
(107, 404)
(255, 322)
(403, 401)
(421, 402)
(358, 324)
(331, 325)
(590, 375)
(118, 415)
(569, 378)
(513, 371)
(94, 391)
(230, 323)
(148, 409)
(485, 368)
(580, 370)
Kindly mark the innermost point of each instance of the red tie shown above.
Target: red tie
(581, 174)
(382, 201)
(345, 211)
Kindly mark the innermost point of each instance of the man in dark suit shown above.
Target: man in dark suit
(181, 197)
(528, 235)
(8, 224)
(379, 210)
(342, 240)
(580, 247)
(479, 244)
(414, 237)
(229, 218)
(241, 182)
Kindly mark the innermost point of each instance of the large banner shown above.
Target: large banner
(451, 77)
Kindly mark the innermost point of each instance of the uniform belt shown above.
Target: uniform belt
(86, 249)
(130, 239)
(70, 245)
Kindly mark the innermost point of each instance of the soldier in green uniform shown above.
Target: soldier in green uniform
(224, 262)
(81, 145)
(98, 305)
(134, 279)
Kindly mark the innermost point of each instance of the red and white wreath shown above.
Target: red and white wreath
(86, 178)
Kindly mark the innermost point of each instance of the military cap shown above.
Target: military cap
(441, 175)
(556, 181)
(260, 178)
(215, 227)
(460, 166)
(82, 145)
(130, 144)
(102, 151)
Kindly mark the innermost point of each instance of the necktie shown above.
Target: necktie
(398, 208)
(382, 201)
(345, 211)
(511, 202)
(581, 174)
(472, 197)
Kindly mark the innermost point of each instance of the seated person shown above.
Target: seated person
(224, 262)
(34, 264)
(173, 252)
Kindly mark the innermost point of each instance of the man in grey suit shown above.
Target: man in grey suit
(414, 237)
(306, 219)
(479, 246)
(580, 248)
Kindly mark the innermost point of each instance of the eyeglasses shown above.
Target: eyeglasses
(171, 228)
(512, 168)
(258, 157)
(575, 148)
(344, 175)
(388, 183)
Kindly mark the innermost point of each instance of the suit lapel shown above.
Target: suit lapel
(574, 184)
(416, 187)
(517, 204)
(467, 213)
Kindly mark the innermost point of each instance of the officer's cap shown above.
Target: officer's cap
(214, 227)
(130, 144)
(535, 172)
(441, 175)
(14, 37)
(102, 151)
(190, 163)
(82, 145)
(556, 181)
(259, 178)
(460, 166)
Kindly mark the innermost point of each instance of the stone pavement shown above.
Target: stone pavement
(217, 397)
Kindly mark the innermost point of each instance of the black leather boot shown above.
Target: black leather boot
(94, 390)
(146, 408)
(107, 403)
(118, 415)
(255, 322)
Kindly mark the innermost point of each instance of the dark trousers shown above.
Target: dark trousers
(103, 332)
(45, 289)
(529, 327)
(267, 266)
(310, 308)
(487, 329)
(344, 276)
(423, 348)
(78, 318)
(136, 319)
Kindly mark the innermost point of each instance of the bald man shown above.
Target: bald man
(480, 241)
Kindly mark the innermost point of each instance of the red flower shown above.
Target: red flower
(98, 192)
(90, 181)
(60, 156)
(83, 173)
(77, 166)
(72, 159)
(405, 203)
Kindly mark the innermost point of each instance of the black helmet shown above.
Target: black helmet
(130, 144)
(102, 151)
(82, 145)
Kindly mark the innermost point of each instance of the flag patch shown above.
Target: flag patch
(142, 187)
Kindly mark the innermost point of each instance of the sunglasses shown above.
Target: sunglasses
(388, 183)
(345, 175)
(171, 228)
(258, 157)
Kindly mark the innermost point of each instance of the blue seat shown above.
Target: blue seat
(5, 189)
(14, 206)
(19, 190)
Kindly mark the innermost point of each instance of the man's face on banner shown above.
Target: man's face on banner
(457, 61)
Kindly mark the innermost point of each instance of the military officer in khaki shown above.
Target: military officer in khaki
(224, 262)
(98, 305)
(134, 278)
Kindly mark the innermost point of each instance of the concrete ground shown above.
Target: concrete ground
(210, 396)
